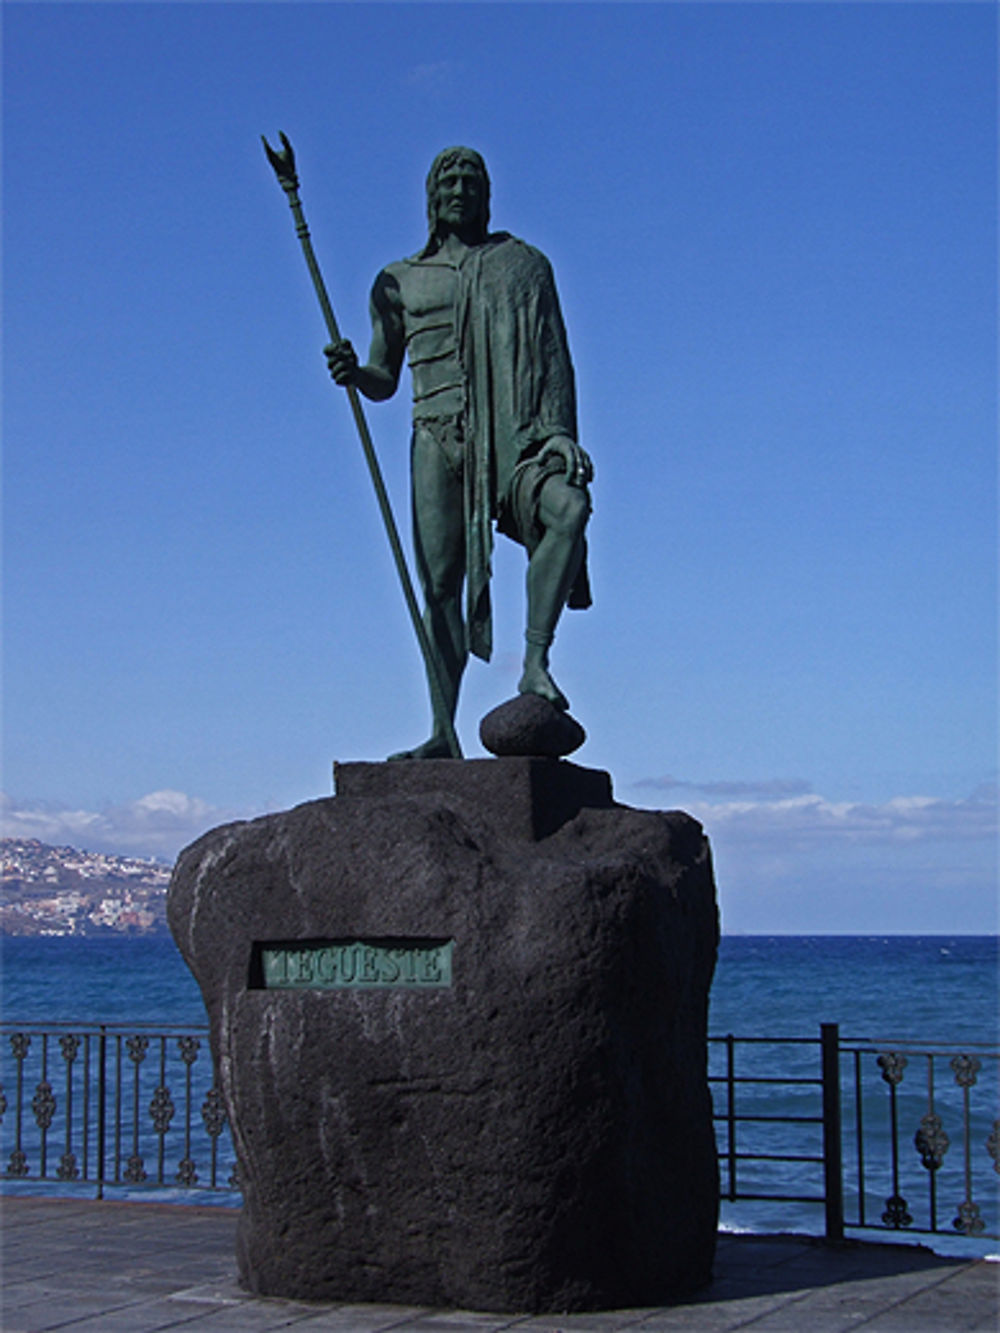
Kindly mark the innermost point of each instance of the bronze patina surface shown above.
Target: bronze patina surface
(476, 315)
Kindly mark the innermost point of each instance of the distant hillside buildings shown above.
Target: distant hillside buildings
(61, 891)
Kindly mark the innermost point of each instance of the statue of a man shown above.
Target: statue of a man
(494, 425)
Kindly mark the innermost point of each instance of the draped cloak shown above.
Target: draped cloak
(519, 392)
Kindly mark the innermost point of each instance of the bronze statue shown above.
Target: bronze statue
(494, 427)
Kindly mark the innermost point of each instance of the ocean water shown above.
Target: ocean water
(940, 989)
(937, 993)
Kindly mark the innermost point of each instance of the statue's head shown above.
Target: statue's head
(451, 164)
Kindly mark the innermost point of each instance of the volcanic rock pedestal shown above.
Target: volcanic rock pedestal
(458, 1012)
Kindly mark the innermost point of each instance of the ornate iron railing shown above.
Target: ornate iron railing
(882, 1135)
(107, 1106)
(943, 1137)
(877, 1135)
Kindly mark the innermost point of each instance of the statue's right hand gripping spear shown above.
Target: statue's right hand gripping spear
(283, 163)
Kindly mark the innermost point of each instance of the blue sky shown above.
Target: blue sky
(774, 232)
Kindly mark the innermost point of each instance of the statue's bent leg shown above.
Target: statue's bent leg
(563, 511)
(439, 542)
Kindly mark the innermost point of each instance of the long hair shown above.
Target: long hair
(449, 157)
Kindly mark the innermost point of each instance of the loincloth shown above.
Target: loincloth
(519, 503)
(448, 435)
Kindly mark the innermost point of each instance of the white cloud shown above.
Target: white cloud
(161, 822)
(807, 863)
(158, 824)
(763, 787)
(166, 804)
(814, 819)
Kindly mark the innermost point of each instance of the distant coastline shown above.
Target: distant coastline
(62, 891)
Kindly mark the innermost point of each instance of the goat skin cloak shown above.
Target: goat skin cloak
(519, 393)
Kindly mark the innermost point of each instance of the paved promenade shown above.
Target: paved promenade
(136, 1267)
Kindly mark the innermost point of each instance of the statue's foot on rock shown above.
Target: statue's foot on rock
(530, 725)
(436, 748)
(536, 680)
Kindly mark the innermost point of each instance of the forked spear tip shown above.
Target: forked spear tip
(283, 162)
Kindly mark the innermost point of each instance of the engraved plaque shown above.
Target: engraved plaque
(369, 964)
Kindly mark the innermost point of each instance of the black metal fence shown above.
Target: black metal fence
(881, 1135)
(897, 1136)
(107, 1106)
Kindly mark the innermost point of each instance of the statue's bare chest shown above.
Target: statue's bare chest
(427, 291)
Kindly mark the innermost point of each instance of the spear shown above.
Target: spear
(283, 163)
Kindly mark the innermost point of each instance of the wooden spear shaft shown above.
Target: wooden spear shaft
(283, 163)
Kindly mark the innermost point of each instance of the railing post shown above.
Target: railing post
(731, 1111)
(102, 1096)
(833, 1182)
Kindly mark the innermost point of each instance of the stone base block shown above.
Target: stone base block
(459, 1016)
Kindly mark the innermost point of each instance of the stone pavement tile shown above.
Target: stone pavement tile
(870, 1293)
(426, 1321)
(223, 1290)
(889, 1256)
(194, 1241)
(736, 1290)
(981, 1273)
(235, 1308)
(23, 1295)
(31, 1211)
(187, 1269)
(597, 1321)
(799, 1322)
(33, 1249)
(75, 1310)
(832, 1310)
(135, 1225)
(759, 1252)
(816, 1266)
(715, 1316)
(916, 1321)
(199, 1233)
(699, 1319)
(159, 1279)
(795, 1260)
(220, 1229)
(149, 1317)
(901, 1285)
(362, 1318)
(193, 1253)
(460, 1321)
(18, 1245)
(250, 1319)
(863, 1264)
(842, 1308)
(125, 1240)
(37, 1267)
(150, 1242)
(94, 1267)
(736, 1285)
(814, 1269)
(956, 1304)
(66, 1287)
(111, 1272)
(254, 1314)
